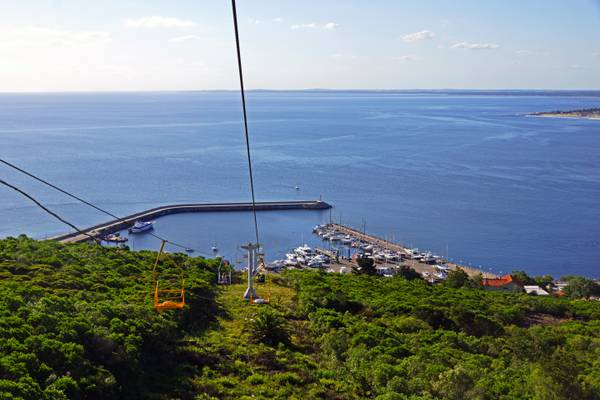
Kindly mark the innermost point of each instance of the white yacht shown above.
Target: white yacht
(303, 250)
(347, 239)
(141, 226)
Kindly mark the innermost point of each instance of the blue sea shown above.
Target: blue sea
(462, 172)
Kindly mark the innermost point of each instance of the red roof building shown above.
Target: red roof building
(504, 283)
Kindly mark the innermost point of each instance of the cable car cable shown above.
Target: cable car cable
(45, 182)
(239, 62)
(40, 205)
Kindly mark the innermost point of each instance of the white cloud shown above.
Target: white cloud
(311, 25)
(278, 20)
(575, 67)
(406, 58)
(418, 36)
(253, 21)
(185, 38)
(523, 52)
(27, 36)
(475, 46)
(157, 21)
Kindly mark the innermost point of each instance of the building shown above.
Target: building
(536, 290)
(503, 284)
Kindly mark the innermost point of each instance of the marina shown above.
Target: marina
(468, 204)
(346, 244)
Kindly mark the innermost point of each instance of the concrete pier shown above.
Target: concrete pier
(386, 244)
(116, 225)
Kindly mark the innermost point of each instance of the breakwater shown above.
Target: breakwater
(116, 225)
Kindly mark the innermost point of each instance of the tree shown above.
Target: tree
(579, 287)
(544, 280)
(522, 278)
(408, 273)
(365, 265)
(269, 326)
(457, 278)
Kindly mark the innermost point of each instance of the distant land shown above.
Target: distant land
(588, 113)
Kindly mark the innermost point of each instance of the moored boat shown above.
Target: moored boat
(141, 226)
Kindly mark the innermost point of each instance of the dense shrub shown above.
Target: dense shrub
(77, 321)
(412, 340)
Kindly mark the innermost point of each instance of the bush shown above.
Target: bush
(269, 326)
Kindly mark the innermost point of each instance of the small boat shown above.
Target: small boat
(318, 228)
(303, 250)
(189, 250)
(290, 263)
(215, 248)
(297, 187)
(116, 237)
(141, 226)
(276, 265)
(428, 259)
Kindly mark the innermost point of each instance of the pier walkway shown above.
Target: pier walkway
(116, 225)
(418, 266)
(374, 240)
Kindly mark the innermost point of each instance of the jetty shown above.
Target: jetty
(371, 239)
(404, 251)
(107, 228)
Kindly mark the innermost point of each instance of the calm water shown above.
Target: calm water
(462, 170)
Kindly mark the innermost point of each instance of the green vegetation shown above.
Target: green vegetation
(578, 287)
(396, 338)
(77, 322)
(364, 265)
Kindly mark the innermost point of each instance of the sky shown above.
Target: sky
(132, 45)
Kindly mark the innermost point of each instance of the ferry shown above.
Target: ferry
(141, 226)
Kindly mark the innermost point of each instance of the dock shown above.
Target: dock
(395, 247)
(115, 225)
(371, 239)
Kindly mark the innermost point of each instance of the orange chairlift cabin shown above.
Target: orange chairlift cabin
(167, 299)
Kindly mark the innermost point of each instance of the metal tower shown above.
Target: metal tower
(250, 293)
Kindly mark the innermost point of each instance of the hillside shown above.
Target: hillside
(76, 322)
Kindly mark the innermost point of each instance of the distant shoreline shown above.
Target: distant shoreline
(592, 93)
(590, 114)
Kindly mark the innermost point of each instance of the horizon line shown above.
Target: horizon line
(298, 90)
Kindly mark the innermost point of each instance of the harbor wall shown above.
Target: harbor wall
(116, 225)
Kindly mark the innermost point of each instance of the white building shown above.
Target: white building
(535, 289)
